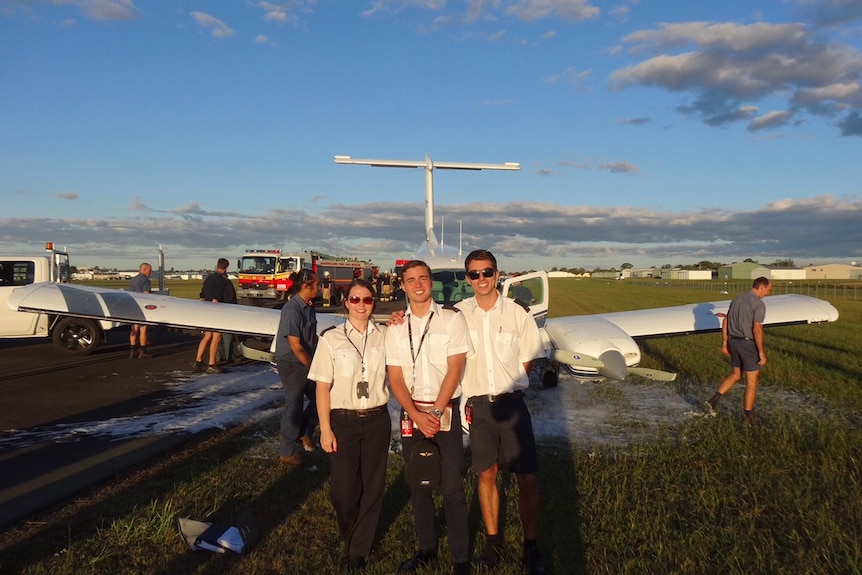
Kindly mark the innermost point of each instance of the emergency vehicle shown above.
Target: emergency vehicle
(341, 271)
(264, 274)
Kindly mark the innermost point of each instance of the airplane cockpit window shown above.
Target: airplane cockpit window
(450, 286)
(528, 292)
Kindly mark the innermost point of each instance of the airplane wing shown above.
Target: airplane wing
(787, 309)
(152, 309)
(599, 346)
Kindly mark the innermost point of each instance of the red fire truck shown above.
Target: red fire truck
(341, 272)
(264, 274)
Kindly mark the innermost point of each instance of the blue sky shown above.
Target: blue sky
(648, 132)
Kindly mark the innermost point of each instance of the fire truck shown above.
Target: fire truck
(341, 271)
(264, 274)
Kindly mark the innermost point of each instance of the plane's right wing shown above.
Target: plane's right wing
(152, 309)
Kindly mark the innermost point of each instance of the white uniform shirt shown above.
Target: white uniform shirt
(338, 362)
(446, 335)
(505, 338)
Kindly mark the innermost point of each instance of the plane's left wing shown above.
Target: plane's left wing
(786, 309)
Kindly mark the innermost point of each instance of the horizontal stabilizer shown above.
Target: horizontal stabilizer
(654, 374)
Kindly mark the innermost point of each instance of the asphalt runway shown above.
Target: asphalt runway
(41, 387)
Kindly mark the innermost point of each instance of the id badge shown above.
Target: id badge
(406, 425)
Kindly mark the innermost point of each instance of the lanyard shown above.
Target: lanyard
(361, 353)
(421, 341)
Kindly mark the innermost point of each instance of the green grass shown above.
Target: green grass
(701, 496)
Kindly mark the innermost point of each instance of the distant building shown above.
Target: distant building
(833, 272)
(739, 271)
(678, 274)
(787, 274)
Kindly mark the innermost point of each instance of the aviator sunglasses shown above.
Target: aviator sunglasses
(355, 299)
(487, 272)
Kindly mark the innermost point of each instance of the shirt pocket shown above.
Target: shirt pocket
(506, 346)
(438, 351)
(375, 364)
(347, 364)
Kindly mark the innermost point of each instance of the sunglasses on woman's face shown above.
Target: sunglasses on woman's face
(487, 272)
(355, 299)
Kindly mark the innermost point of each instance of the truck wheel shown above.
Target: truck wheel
(76, 336)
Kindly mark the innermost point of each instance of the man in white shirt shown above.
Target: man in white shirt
(507, 341)
(425, 358)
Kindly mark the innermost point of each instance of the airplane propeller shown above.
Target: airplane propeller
(610, 365)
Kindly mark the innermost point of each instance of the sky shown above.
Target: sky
(648, 132)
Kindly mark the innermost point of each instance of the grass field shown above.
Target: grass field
(698, 496)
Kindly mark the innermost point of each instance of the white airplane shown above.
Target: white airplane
(592, 347)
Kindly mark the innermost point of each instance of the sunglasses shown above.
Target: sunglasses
(487, 272)
(355, 299)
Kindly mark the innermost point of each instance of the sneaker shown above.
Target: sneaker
(142, 354)
(213, 369)
(133, 353)
(490, 557)
(533, 560)
(748, 420)
(307, 443)
(295, 459)
(709, 408)
(199, 366)
(419, 560)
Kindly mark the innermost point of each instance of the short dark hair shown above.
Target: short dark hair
(760, 282)
(480, 255)
(415, 264)
(222, 264)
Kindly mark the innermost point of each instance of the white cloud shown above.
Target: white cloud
(217, 28)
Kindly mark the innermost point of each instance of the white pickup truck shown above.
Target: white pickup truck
(73, 335)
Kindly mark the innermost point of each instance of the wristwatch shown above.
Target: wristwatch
(437, 413)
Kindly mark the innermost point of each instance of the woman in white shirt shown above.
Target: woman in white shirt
(349, 367)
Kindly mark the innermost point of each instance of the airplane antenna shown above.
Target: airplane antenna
(442, 228)
(429, 166)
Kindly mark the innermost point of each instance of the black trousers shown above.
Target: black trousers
(452, 488)
(358, 477)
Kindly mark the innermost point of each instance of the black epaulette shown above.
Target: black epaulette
(522, 304)
(451, 306)
(327, 329)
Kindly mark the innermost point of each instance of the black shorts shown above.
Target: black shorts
(743, 354)
(502, 432)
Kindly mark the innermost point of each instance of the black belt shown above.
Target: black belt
(357, 412)
(499, 397)
(743, 338)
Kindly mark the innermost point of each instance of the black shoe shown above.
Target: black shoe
(199, 366)
(421, 559)
(355, 563)
(533, 560)
(490, 557)
(142, 354)
(461, 568)
(133, 353)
